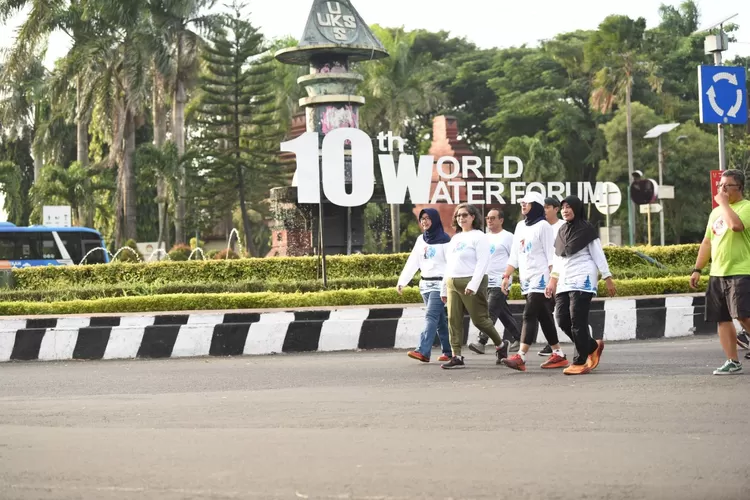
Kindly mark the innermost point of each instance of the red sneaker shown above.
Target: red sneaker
(444, 357)
(595, 356)
(418, 356)
(577, 370)
(556, 361)
(515, 362)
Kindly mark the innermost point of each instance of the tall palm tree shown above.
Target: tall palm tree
(615, 49)
(396, 89)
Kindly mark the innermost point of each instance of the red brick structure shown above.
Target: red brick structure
(445, 142)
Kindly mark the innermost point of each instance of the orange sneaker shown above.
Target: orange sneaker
(444, 357)
(577, 370)
(595, 356)
(556, 361)
(515, 362)
(418, 356)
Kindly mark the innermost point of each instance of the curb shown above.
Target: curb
(171, 335)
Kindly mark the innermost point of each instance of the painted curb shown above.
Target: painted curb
(170, 335)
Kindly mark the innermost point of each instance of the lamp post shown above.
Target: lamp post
(657, 132)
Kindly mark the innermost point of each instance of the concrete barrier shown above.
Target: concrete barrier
(165, 335)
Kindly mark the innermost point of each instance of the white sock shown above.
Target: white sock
(559, 352)
(523, 355)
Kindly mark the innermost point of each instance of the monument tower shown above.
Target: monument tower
(335, 36)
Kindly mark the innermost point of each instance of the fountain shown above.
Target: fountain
(335, 36)
(198, 249)
(130, 250)
(94, 250)
(229, 241)
(157, 252)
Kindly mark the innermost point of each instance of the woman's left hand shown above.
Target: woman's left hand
(469, 291)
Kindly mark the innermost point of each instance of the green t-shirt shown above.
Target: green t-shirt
(730, 250)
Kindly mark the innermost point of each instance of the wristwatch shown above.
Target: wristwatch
(696, 270)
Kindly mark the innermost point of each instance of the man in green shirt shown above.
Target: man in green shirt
(727, 245)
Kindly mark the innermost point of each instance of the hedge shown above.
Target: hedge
(265, 300)
(286, 269)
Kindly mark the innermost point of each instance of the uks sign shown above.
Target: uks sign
(416, 178)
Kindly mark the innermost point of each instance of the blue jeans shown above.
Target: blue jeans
(436, 321)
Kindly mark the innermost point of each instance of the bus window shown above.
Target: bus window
(72, 242)
(89, 242)
(28, 246)
(7, 246)
(49, 247)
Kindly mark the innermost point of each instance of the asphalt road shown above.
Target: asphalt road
(652, 423)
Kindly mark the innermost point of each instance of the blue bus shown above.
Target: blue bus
(49, 246)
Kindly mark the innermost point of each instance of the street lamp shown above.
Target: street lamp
(657, 132)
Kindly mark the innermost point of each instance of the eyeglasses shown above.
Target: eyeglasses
(492, 217)
(462, 215)
(727, 185)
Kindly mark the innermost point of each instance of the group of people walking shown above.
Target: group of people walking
(558, 263)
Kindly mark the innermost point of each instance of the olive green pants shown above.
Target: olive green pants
(475, 304)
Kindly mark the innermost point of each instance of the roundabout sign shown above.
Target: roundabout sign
(723, 91)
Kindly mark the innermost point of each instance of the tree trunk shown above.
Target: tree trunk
(160, 133)
(129, 198)
(246, 224)
(178, 132)
(86, 209)
(629, 123)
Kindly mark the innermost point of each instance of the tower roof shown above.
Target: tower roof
(334, 27)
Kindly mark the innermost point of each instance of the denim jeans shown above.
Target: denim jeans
(436, 322)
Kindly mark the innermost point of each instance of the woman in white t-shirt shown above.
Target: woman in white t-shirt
(428, 257)
(465, 283)
(531, 254)
(579, 259)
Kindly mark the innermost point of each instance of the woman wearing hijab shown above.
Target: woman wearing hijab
(579, 258)
(428, 256)
(532, 254)
(465, 283)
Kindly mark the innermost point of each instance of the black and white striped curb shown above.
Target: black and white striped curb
(334, 329)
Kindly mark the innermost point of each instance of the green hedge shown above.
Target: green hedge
(124, 289)
(264, 300)
(678, 258)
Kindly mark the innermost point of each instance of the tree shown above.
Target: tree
(396, 89)
(615, 50)
(238, 129)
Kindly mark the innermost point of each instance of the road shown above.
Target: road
(652, 423)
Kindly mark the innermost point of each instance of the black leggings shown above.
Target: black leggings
(538, 311)
(573, 318)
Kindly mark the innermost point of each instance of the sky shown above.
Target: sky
(502, 24)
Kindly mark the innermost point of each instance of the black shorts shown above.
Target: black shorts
(727, 298)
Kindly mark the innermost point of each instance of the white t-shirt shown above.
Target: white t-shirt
(468, 255)
(580, 272)
(500, 245)
(556, 226)
(428, 259)
(532, 253)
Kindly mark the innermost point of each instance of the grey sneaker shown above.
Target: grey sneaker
(501, 351)
(729, 368)
(477, 347)
(743, 340)
(515, 346)
(455, 362)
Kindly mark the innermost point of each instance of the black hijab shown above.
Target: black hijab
(574, 235)
(536, 214)
(436, 234)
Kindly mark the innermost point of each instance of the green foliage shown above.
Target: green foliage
(265, 300)
(179, 252)
(195, 243)
(128, 256)
(226, 254)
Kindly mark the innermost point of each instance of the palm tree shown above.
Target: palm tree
(396, 89)
(615, 48)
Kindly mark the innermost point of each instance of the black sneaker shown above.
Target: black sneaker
(501, 352)
(547, 351)
(743, 339)
(747, 356)
(455, 362)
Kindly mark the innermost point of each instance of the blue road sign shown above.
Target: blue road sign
(723, 91)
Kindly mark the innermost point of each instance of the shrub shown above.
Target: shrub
(265, 300)
(193, 245)
(180, 252)
(211, 254)
(225, 254)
